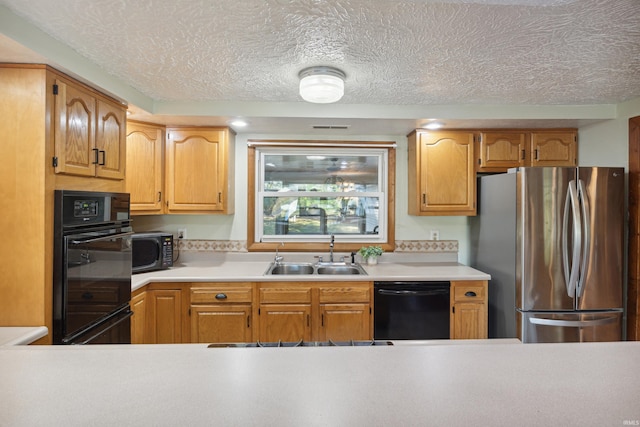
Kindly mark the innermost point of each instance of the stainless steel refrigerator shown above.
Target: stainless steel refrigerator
(553, 241)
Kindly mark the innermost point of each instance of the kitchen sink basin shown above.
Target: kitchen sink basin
(287, 268)
(340, 269)
(304, 268)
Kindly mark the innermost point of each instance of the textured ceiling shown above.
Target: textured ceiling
(420, 52)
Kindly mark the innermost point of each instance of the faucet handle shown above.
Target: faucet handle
(319, 258)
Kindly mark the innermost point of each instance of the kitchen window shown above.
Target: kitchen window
(306, 191)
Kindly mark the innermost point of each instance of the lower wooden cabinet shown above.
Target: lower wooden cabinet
(138, 305)
(221, 313)
(280, 311)
(163, 310)
(469, 310)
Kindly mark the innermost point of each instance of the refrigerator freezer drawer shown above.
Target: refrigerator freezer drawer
(570, 327)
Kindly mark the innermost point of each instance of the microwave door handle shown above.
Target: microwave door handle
(97, 239)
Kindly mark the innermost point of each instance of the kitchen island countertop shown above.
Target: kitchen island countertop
(250, 268)
(589, 384)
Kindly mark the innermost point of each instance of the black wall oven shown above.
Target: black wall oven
(411, 310)
(92, 268)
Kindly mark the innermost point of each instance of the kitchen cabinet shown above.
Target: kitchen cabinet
(469, 310)
(89, 137)
(221, 313)
(315, 311)
(199, 170)
(138, 305)
(441, 173)
(345, 312)
(28, 179)
(145, 168)
(499, 150)
(164, 316)
(284, 312)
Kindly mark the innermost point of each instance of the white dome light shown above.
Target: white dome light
(321, 85)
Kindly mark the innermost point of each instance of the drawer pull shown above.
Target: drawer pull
(221, 296)
(470, 294)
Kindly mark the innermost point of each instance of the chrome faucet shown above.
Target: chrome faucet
(333, 238)
(278, 257)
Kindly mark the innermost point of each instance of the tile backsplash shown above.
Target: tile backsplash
(402, 246)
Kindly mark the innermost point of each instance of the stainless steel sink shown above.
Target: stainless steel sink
(340, 269)
(305, 268)
(287, 268)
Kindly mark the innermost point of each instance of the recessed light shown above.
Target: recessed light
(434, 125)
(238, 123)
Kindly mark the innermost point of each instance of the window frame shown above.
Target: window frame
(317, 244)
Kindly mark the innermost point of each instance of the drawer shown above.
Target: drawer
(469, 293)
(345, 294)
(221, 295)
(285, 295)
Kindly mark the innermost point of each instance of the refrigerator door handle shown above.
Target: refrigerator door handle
(571, 270)
(586, 229)
(573, 323)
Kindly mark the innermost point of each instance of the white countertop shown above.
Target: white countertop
(21, 335)
(502, 384)
(248, 268)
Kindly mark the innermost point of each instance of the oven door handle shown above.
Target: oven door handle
(101, 331)
(408, 293)
(97, 239)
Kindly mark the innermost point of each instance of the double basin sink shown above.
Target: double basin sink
(320, 268)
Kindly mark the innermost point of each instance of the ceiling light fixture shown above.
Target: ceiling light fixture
(321, 85)
(434, 125)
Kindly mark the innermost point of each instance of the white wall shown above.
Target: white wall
(602, 144)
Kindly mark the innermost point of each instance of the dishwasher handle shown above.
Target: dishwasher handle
(411, 293)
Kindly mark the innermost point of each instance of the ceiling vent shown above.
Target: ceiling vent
(338, 127)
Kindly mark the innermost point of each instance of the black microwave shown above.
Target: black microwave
(152, 251)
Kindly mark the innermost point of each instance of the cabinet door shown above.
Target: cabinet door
(110, 140)
(344, 322)
(285, 322)
(468, 321)
(138, 320)
(145, 149)
(74, 141)
(444, 175)
(499, 151)
(196, 162)
(165, 317)
(554, 148)
(221, 323)
(469, 310)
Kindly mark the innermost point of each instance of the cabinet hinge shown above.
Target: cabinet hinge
(258, 312)
(453, 309)
(55, 89)
(189, 311)
(55, 162)
(370, 312)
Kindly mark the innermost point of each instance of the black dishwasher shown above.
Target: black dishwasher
(411, 310)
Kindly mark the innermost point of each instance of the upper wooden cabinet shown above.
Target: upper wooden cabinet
(145, 167)
(441, 173)
(89, 137)
(497, 151)
(199, 170)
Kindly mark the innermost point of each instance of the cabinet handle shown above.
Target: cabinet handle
(159, 196)
(308, 320)
(536, 151)
(221, 296)
(219, 197)
(424, 198)
(248, 321)
(470, 294)
(523, 154)
(104, 158)
(322, 320)
(95, 156)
